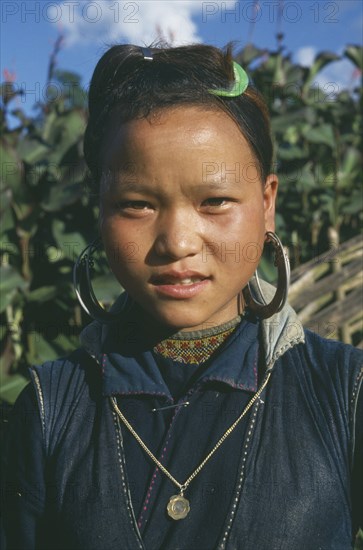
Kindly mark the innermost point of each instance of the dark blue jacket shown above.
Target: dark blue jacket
(297, 466)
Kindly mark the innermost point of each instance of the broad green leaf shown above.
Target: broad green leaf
(280, 74)
(64, 132)
(355, 204)
(321, 134)
(292, 134)
(67, 77)
(10, 284)
(11, 168)
(70, 243)
(351, 161)
(35, 173)
(60, 195)
(106, 288)
(32, 150)
(320, 61)
(40, 350)
(293, 78)
(291, 153)
(11, 386)
(307, 180)
(43, 294)
(49, 121)
(355, 54)
(28, 224)
(6, 217)
(282, 122)
(7, 299)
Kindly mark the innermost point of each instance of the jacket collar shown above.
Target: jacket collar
(279, 333)
(133, 369)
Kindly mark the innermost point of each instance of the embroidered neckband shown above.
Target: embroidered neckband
(238, 87)
(196, 347)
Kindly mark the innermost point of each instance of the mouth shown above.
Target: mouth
(174, 281)
(179, 284)
(177, 278)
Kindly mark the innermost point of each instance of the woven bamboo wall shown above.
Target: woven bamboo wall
(327, 292)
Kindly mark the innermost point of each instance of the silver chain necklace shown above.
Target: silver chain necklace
(178, 506)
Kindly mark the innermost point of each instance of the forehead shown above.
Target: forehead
(185, 131)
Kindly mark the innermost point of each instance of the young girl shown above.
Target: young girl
(197, 413)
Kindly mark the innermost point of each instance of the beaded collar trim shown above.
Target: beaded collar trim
(194, 348)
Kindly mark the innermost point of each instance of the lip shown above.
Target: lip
(163, 286)
(165, 276)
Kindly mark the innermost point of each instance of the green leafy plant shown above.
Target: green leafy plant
(318, 135)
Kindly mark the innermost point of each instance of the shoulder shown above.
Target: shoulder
(339, 364)
(329, 372)
(336, 359)
(64, 385)
(326, 370)
(330, 349)
(65, 373)
(323, 357)
(327, 360)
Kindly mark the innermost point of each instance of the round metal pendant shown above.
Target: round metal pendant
(178, 507)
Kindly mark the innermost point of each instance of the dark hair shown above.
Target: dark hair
(127, 86)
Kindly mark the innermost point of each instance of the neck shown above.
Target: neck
(195, 347)
(156, 331)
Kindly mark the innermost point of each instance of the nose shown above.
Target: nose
(177, 235)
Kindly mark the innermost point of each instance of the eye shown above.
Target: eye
(133, 205)
(216, 201)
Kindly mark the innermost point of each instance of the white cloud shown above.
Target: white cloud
(140, 22)
(337, 76)
(305, 56)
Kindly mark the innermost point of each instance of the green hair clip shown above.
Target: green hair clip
(239, 85)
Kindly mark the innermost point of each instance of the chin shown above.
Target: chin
(182, 320)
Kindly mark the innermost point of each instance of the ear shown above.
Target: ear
(269, 201)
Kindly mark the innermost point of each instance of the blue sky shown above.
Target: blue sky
(30, 28)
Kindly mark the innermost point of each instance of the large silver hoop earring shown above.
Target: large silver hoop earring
(84, 291)
(255, 299)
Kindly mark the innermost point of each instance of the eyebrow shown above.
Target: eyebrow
(128, 185)
(135, 187)
(218, 185)
(131, 186)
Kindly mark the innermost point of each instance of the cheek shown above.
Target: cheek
(122, 245)
(240, 250)
(245, 230)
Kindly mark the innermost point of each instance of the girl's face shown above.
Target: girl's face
(183, 214)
